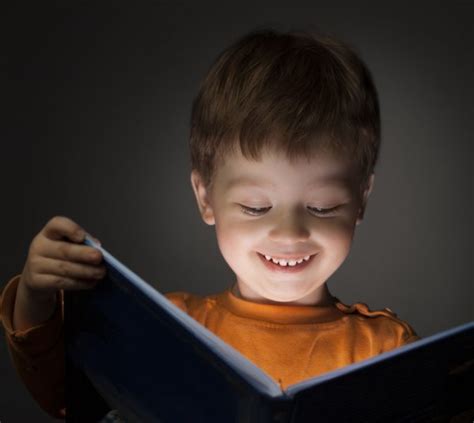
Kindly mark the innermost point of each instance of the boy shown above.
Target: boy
(285, 135)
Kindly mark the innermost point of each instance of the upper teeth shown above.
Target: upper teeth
(284, 262)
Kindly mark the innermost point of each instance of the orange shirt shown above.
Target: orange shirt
(290, 343)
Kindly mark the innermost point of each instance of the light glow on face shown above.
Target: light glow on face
(290, 222)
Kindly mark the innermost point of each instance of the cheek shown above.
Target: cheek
(235, 238)
(337, 234)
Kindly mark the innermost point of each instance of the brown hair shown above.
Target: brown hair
(298, 92)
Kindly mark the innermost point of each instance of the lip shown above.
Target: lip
(286, 269)
(290, 257)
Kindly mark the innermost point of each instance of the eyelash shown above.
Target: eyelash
(322, 212)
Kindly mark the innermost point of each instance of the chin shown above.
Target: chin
(283, 297)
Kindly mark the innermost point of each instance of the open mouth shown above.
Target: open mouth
(298, 267)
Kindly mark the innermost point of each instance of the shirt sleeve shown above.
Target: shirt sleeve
(407, 334)
(37, 353)
(411, 339)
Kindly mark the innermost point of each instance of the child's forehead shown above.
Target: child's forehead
(318, 160)
(324, 170)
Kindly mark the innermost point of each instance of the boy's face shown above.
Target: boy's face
(287, 226)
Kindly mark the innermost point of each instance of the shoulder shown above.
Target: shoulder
(362, 309)
(384, 324)
(189, 302)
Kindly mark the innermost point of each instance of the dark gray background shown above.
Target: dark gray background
(96, 101)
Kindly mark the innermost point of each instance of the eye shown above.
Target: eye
(258, 211)
(323, 212)
(253, 211)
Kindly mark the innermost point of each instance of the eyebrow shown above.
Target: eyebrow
(246, 181)
(334, 181)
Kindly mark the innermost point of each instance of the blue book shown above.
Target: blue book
(131, 353)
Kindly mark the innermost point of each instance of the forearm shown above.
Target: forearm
(37, 353)
(31, 310)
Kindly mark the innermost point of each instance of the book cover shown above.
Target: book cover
(130, 349)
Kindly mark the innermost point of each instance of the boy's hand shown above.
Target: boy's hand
(57, 261)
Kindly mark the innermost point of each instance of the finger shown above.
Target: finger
(69, 251)
(60, 227)
(67, 269)
(96, 240)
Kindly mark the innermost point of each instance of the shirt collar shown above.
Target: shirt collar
(279, 313)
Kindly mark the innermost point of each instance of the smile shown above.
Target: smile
(285, 266)
(287, 262)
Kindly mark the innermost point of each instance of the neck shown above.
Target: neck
(326, 298)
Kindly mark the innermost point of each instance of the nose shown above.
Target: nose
(289, 229)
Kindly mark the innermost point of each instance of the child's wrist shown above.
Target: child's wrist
(31, 308)
(35, 295)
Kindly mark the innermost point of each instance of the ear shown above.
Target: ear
(202, 198)
(365, 197)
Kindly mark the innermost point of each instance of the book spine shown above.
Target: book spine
(264, 409)
(282, 411)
